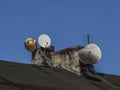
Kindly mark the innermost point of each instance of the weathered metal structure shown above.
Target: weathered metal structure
(67, 58)
(78, 59)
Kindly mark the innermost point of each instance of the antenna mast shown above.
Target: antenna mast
(88, 38)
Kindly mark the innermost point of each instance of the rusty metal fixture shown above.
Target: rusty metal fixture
(30, 44)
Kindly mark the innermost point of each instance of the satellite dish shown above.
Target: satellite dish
(30, 44)
(44, 40)
(91, 54)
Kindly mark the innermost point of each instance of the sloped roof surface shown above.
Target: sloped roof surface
(16, 76)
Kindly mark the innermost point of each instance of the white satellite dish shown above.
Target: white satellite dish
(44, 40)
(91, 54)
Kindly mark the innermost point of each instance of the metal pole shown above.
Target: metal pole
(88, 38)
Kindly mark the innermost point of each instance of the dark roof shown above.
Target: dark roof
(17, 76)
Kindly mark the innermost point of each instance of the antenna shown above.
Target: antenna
(30, 44)
(91, 54)
(44, 40)
(88, 38)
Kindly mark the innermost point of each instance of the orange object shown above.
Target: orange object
(30, 44)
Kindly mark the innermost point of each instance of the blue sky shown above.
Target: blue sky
(67, 22)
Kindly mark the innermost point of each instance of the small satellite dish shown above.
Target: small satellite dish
(30, 44)
(44, 40)
(91, 54)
